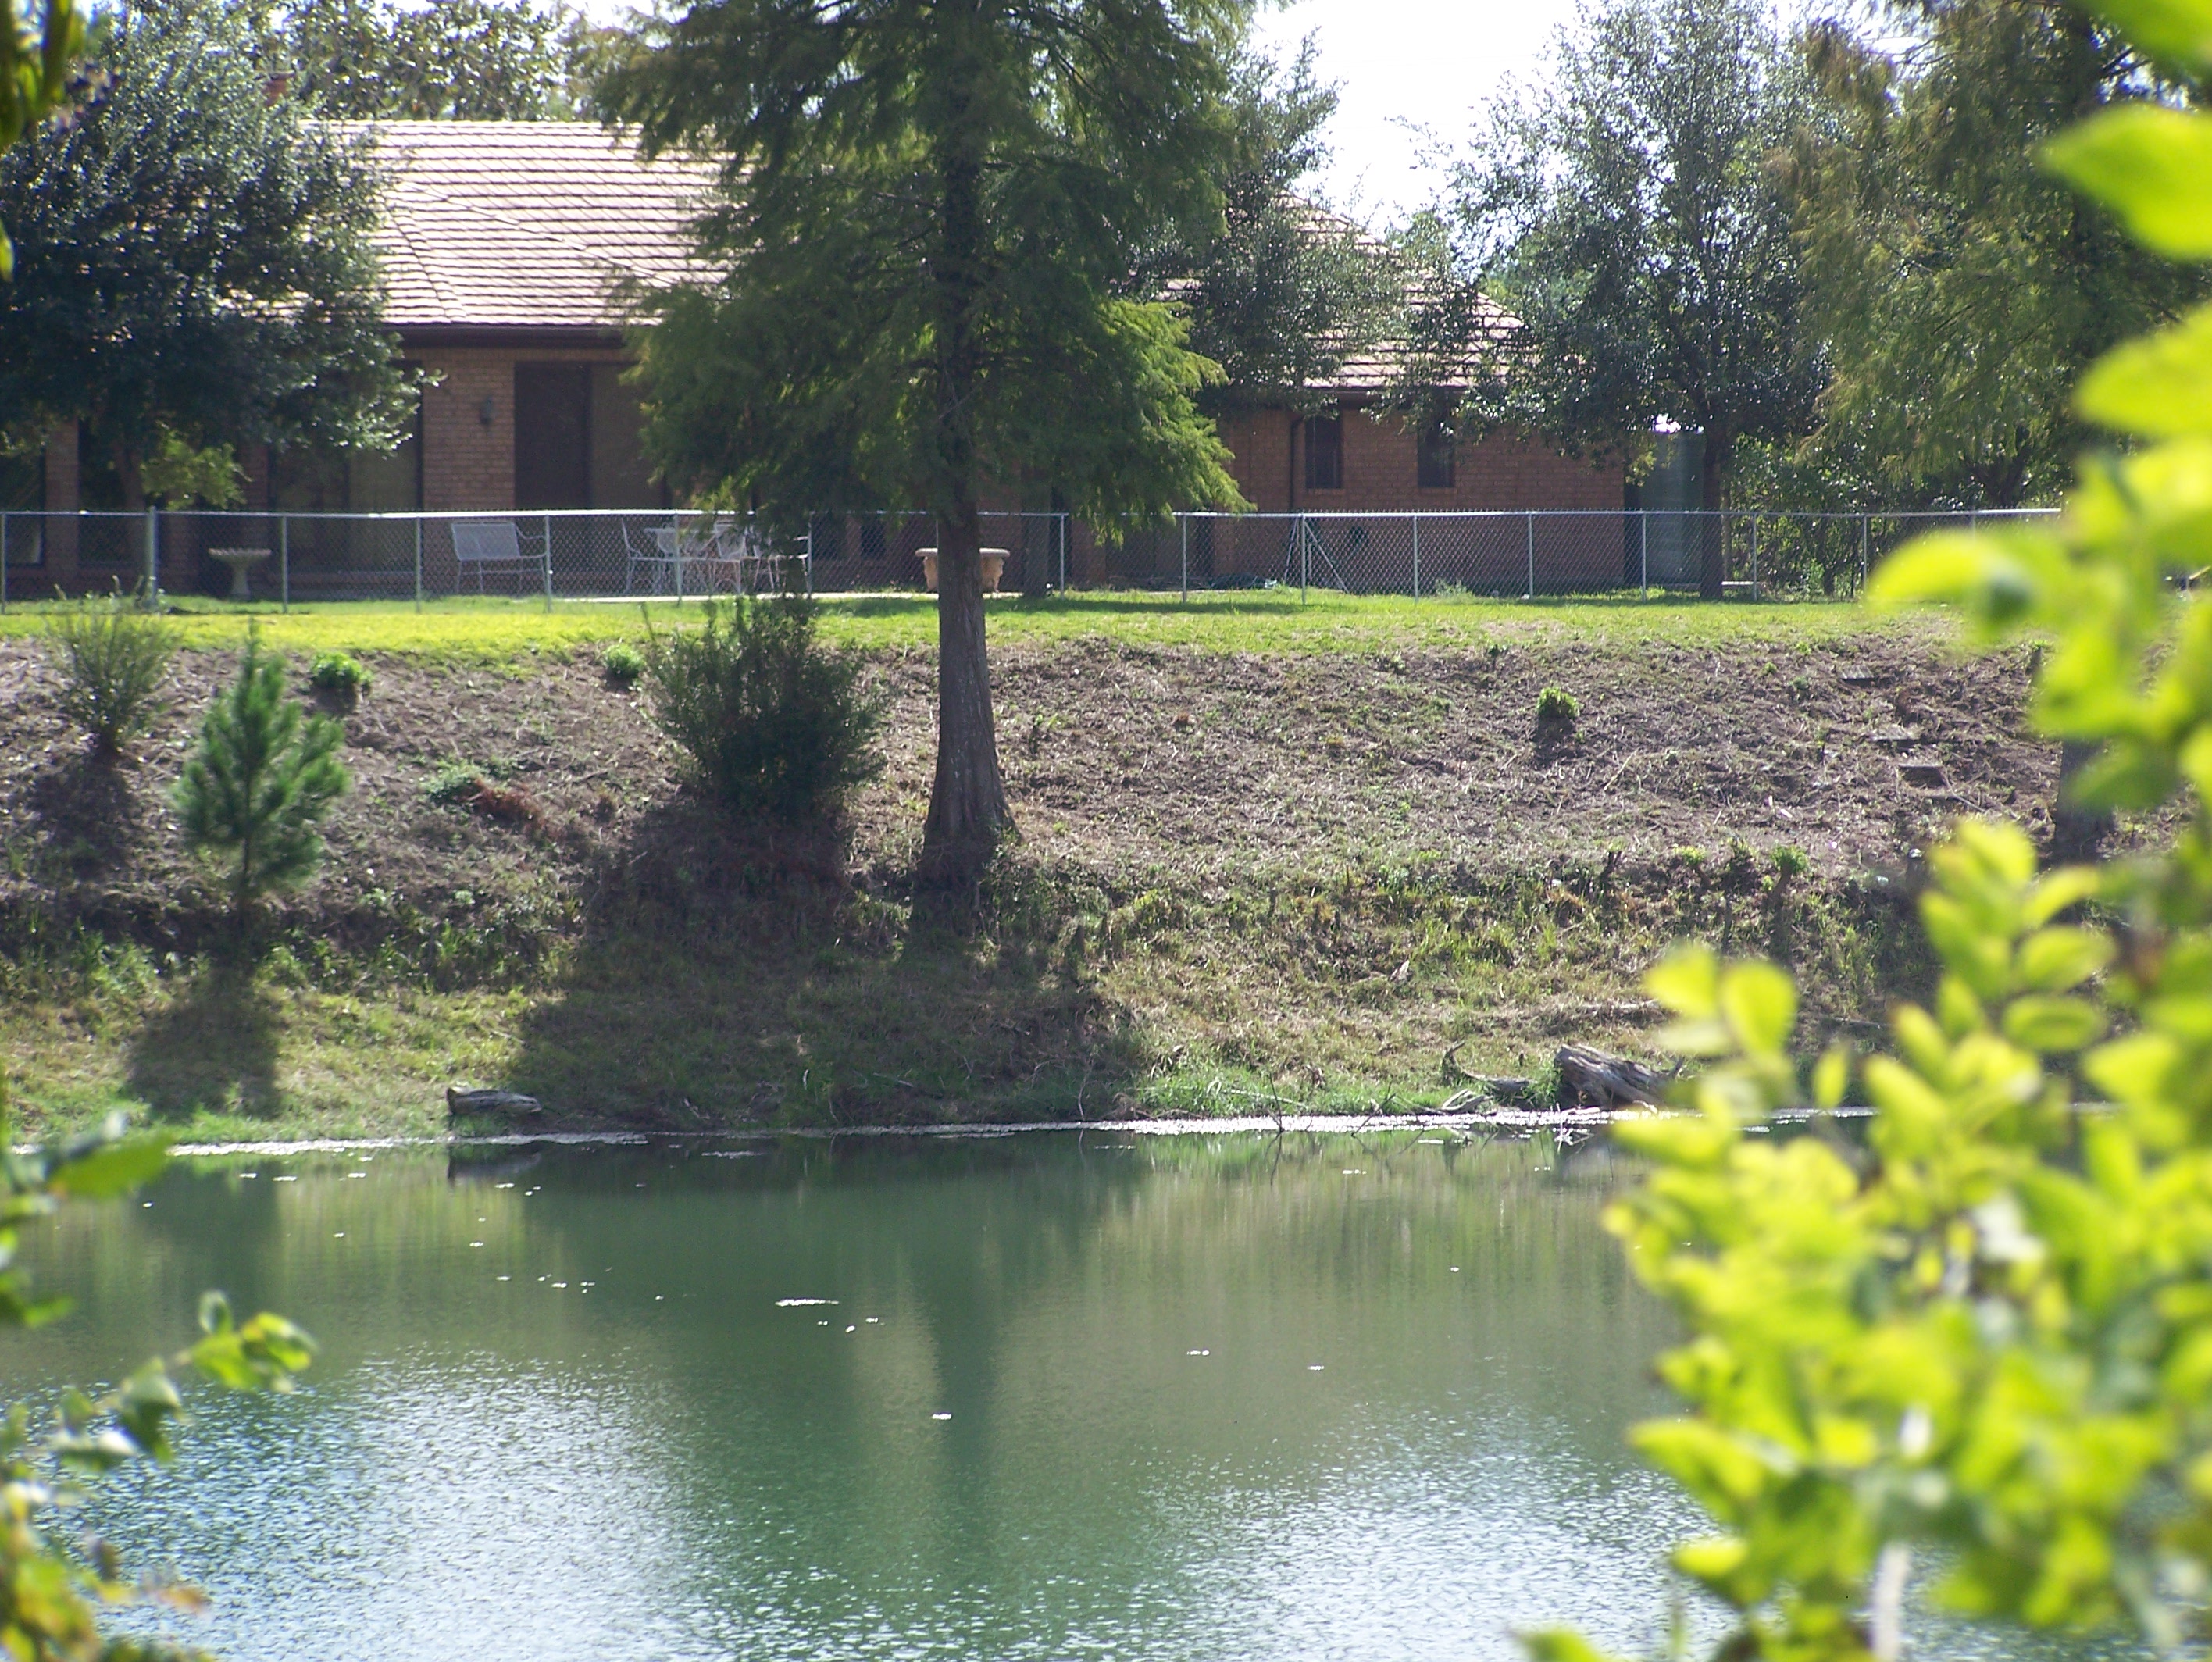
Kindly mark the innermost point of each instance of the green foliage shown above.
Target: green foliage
(1623, 213)
(1989, 1331)
(622, 664)
(36, 56)
(259, 781)
(111, 657)
(1556, 708)
(233, 297)
(50, 1592)
(1281, 292)
(769, 720)
(178, 473)
(455, 782)
(1962, 289)
(341, 675)
(464, 60)
(1035, 150)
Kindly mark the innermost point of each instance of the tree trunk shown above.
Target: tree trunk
(1712, 544)
(968, 809)
(2076, 832)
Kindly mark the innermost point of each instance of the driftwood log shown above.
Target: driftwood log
(1590, 1077)
(459, 1102)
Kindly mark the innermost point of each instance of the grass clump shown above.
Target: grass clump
(455, 782)
(1556, 708)
(341, 675)
(259, 781)
(771, 722)
(622, 664)
(112, 658)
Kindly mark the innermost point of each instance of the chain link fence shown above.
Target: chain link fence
(614, 554)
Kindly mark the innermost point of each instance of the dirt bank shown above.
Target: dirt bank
(1297, 875)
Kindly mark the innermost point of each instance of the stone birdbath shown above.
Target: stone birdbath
(240, 561)
(994, 568)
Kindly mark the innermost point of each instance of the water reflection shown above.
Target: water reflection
(1239, 1398)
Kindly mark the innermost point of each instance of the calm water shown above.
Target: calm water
(1209, 1398)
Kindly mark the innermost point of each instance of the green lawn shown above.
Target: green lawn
(502, 631)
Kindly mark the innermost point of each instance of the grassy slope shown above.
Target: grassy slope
(1286, 876)
(514, 632)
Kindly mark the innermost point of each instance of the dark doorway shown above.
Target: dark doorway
(552, 435)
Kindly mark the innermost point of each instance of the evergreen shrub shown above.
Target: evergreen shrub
(771, 722)
(261, 778)
(113, 658)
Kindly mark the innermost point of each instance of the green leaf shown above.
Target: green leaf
(1759, 1004)
(115, 1169)
(2059, 960)
(2053, 1025)
(2158, 386)
(2150, 165)
(2177, 32)
(1687, 981)
(1832, 1077)
(1559, 1645)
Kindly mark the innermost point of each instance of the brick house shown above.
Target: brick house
(507, 248)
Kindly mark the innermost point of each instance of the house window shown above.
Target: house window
(1324, 453)
(1435, 464)
(351, 481)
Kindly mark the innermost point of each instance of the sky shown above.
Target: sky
(1431, 64)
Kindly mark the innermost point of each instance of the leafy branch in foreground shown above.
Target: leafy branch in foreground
(1988, 1330)
(51, 1589)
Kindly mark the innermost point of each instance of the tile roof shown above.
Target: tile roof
(527, 224)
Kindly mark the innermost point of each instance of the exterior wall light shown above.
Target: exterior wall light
(483, 412)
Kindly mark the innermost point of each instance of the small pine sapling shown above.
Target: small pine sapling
(259, 779)
(112, 658)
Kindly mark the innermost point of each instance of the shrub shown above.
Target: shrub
(768, 719)
(259, 780)
(1556, 708)
(455, 782)
(112, 658)
(343, 677)
(622, 663)
(1975, 1341)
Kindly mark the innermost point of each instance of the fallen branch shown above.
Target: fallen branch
(459, 1102)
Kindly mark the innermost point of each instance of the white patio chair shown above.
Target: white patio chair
(486, 544)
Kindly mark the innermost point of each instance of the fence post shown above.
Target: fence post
(1063, 553)
(1531, 518)
(1305, 561)
(1866, 526)
(1755, 556)
(3, 564)
(549, 563)
(1417, 556)
(284, 562)
(676, 553)
(1644, 550)
(418, 562)
(153, 559)
(1184, 520)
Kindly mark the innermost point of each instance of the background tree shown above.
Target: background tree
(1283, 291)
(1962, 289)
(1623, 211)
(471, 60)
(193, 259)
(931, 215)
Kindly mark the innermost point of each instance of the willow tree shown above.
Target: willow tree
(930, 216)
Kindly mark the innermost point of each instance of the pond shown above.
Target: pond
(1040, 1396)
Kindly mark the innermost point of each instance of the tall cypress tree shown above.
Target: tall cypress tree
(931, 212)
